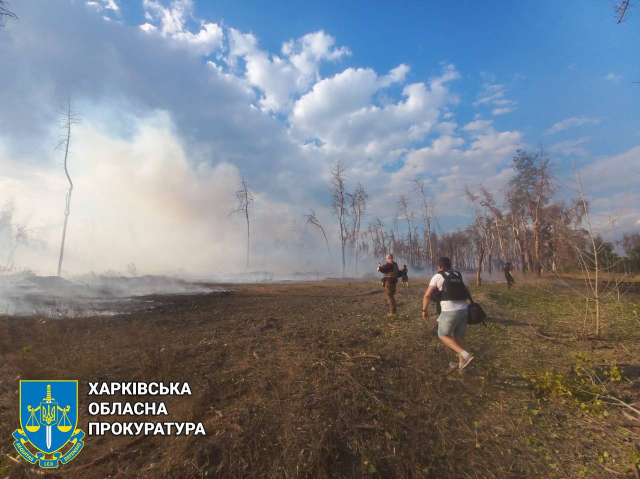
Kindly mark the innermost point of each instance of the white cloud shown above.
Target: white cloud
(619, 171)
(104, 4)
(307, 52)
(341, 113)
(477, 125)
(571, 147)
(501, 111)
(571, 123)
(613, 77)
(494, 94)
(451, 163)
(172, 25)
(208, 39)
(396, 75)
(282, 79)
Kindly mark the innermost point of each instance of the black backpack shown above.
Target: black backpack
(457, 291)
(476, 314)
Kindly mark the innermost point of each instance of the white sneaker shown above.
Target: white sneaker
(465, 362)
(453, 365)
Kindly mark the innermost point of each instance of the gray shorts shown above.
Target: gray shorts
(453, 323)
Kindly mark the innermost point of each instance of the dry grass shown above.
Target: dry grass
(279, 387)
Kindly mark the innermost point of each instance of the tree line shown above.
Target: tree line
(530, 226)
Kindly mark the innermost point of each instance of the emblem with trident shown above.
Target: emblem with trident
(48, 416)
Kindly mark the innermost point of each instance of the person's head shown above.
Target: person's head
(507, 264)
(389, 258)
(404, 265)
(444, 263)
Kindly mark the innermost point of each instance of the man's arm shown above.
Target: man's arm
(426, 300)
(386, 268)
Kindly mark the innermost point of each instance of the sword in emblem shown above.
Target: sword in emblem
(49, 415)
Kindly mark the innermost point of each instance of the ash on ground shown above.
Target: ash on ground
(26, 294)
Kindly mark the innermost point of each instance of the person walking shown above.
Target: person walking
(405, 276)
(391, 272)
(452, 322)
(508, 276)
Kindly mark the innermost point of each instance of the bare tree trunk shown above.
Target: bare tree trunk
(68, 119)
(480, 260)
(403, 208)
(248, 238)
(245, 198)
(339, 205)
(313, 220)
(595, 284)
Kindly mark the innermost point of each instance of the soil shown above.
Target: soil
(315, 380)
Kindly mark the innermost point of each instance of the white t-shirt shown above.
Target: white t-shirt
(437, 280)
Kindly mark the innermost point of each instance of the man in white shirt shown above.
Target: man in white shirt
(452, 322)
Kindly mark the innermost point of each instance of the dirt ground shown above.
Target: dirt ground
(280, 384)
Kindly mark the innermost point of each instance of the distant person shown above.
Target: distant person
(452, 322)
(405, 276)
(391, 273)
(508, 276)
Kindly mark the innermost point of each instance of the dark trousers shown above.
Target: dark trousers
(390, 292)
(509, 279)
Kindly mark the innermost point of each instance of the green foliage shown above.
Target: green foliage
(583, 387)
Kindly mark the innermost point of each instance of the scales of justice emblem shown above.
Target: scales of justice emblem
(48, 422)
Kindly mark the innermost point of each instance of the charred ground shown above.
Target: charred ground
(278, 382)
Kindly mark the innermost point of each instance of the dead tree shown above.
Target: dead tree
(358, 207)
(514, 220)
(621, 10)
(12, 235)
(5, 12)
(479, 232)
(489, 203)
(339, 205)
(533, 182)
(245, 198)
(312, 219)
(378, 237)
(403, 212)
(68, 118)
(429, 239)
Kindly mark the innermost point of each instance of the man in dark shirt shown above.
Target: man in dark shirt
(507, 274)
(404, 274)
(391, 272)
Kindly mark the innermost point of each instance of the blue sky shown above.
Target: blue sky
(554, 56)
(181, 98)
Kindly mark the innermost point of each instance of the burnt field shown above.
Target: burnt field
(314, 380)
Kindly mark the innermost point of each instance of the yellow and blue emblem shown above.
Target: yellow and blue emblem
(48, 419)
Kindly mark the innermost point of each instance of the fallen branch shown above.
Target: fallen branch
(629, 416)
(362, 356)
(622, 403)
(547, 337)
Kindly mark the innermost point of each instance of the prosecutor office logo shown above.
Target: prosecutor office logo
(48, 419)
